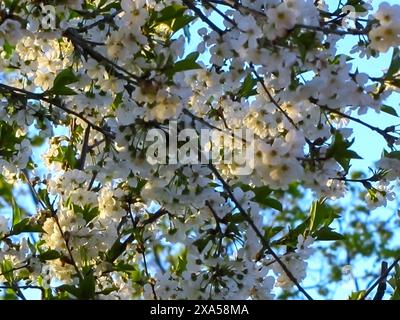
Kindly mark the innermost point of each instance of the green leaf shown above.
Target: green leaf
(261, 196)
(189, 63)
(44, 196)
(248, 87)
(236, 218)
(180, 22)
(392, 155)
(318, 213)
(390, 110)
(172, 16)
(8, 49)
(270, 232)
(394, 82)
(69, 156)
(87, 286)
(394, 65)
(201, 243)
(49, 255)
(339, 150)
(182, 262)
(117, 101)
(272, 203)
(88, 213)
(5, 190)
(327, 234)
(64, 78)
(63, 91)
(37, 140)
(136, 276)
(305, 41)
(171, 12)
(290, 239)
(139, 186)
(6, 268)
(124, 267)
(8, 139)
(395, 284)
(26, 225)
(358, 295)
(357, 4)
(17, 213)
(263, 191)
(12, 5)
(70, 289)
(61, 81)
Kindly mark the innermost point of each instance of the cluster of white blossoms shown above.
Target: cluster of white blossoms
(295, 262)
(387, 34)
(93, 80)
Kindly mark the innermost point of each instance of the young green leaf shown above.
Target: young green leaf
(49, 255)
(16, 213)
(189, 63)
(390, 110)
(61, 81)
(327, 234)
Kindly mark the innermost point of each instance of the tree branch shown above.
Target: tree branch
(85, 149)
(24, 94)
(380, 279)
(203, 17)
(272, 99)
(105, 19)
(389, 138)
(80, 42)
(251, 223)
(380, 292)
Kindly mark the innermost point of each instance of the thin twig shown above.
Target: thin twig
(379, 280)
(106, 18)
(324, 29)
(389, 138)
(380, 291)
(24, 94)
(222, 14)
(251, 223)
(218, 221)
(85, 149)
(157, 260)
(118, 248)
(55, 217)
(203, 17)
(14, 269)
(272, 99)
(78, 41)
(153, 289)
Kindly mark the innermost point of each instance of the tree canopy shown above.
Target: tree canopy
(162, 149)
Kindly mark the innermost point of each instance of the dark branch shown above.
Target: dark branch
(380, 292)
(202, 16)
(25, 95)
(251, 223)
(85, 149)
(380, 279)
